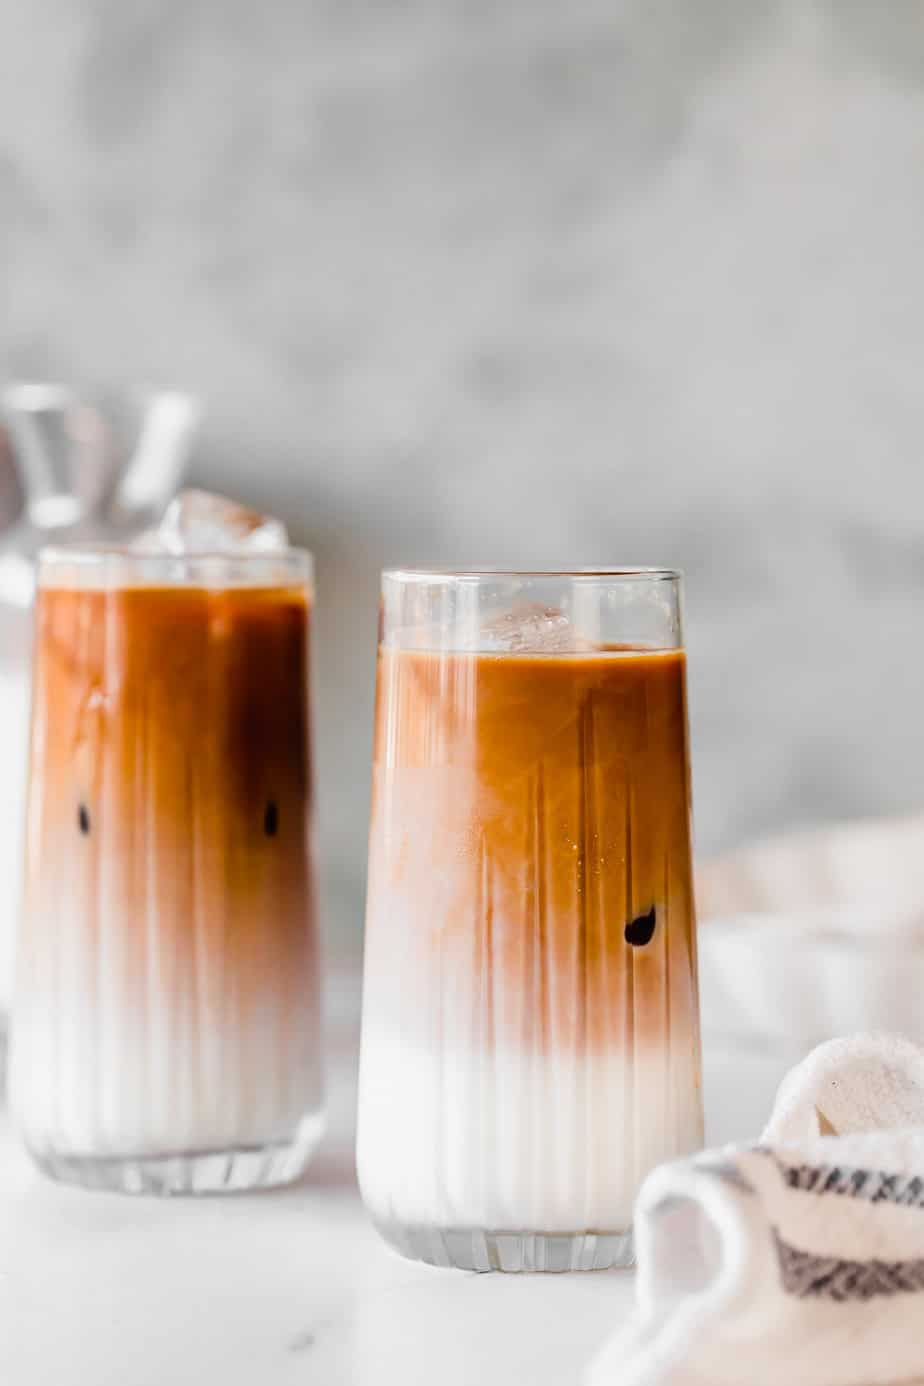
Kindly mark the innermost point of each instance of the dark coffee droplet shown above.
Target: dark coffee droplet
(83, 819)
(271, 819)
(640, 931)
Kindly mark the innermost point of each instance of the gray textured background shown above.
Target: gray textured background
(523, 282)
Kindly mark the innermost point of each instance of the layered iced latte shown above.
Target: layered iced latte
(530, 1041)
(166, 1020)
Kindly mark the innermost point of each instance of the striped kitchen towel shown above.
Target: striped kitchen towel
(800, 1259)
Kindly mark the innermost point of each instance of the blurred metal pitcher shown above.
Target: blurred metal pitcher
(88, 467)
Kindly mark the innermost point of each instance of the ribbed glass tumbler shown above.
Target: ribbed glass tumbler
(166, 1033)
(530, 1042)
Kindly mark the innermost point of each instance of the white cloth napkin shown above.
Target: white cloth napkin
(797, 1260)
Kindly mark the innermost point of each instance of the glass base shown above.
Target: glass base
(200, 1172)
(476, 1250)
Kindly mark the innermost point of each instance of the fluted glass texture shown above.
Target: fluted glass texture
(530, 1032)
(166, 1015)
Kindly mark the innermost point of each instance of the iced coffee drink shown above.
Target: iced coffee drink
(166, 1018)
(530, 1042)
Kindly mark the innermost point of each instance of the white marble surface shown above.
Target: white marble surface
(287, 1286)
(99, 1290)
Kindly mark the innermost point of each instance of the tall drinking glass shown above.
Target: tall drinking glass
(166, 1011)
(530, 1042)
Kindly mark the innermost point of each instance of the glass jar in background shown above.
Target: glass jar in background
(166, 1032)
(84, 467)
(530, 1036)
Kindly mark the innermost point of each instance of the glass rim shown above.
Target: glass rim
(111, 566)
(402, 574)
(91, 555)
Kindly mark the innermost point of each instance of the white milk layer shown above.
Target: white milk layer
(97, 1071)
(506, 1140)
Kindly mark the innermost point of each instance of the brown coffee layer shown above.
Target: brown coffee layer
(169, 884)
(530, 860)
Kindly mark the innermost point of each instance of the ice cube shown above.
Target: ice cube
(197, 522)
(531, 629)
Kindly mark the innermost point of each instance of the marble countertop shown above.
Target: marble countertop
(286, 1286)
(294, 1286)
